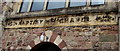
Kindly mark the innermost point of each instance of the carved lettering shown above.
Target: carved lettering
(21, 22)
(35, 22)
(27, 22)
(41, 21)
(9, 23)
(63, 21)
(98, 18)
(47, 21)
(106, 18)
(72, 20)
(31, 22)
(14, 23)
(53, 19)
(66, 19)
(85, 19)
(77, 19)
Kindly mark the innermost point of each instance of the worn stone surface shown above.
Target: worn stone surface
(102, 37)
(86, 34)
(108, 38)
(77, 37)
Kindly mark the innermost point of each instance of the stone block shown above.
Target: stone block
(108, 38)
(4, 45)
(94, 38)
(110, 32)
(114, 45)
(80, 38)
(30, 37)
(105, 27)
(106, 45)
(88, 45)
(6, 33)
(7, 38)
(37, 31)
(69, 33)
(30, 31)
(115, 28)
(13, 39)
(3, 40)
(97, 45)
(11, 34)
(9, 43)
(114, 32)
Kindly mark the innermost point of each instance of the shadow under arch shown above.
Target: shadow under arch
(46, 46)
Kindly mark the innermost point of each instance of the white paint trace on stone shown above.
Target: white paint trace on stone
(65, 48)
(48, 34)
(28, 47)
(58, 40)
(37, 40)
(18, 47)
(12, 47)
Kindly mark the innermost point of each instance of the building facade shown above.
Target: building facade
(70, 24)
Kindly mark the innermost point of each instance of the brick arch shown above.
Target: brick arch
(52, 37)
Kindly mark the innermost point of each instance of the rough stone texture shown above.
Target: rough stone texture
(1, 28)
(77, 37)
(17, 37)
(1, 11)
(101, 38)
(87, 35)
(110, 38)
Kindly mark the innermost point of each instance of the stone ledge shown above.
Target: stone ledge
(66, 11)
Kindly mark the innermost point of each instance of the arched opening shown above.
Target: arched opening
(46, 46)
